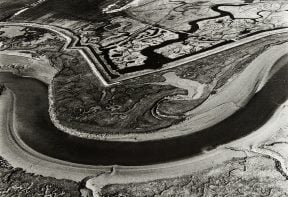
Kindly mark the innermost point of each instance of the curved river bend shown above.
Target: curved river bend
(33, 125)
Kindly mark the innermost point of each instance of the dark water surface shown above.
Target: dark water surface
(37, 131)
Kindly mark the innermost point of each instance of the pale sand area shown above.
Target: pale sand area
(25, 65)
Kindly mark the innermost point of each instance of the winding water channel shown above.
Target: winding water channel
(34, 127)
